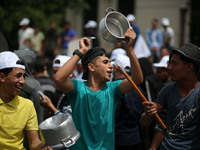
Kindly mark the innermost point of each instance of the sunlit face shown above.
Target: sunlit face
(103, 68)
(14, 81)
(177, 68)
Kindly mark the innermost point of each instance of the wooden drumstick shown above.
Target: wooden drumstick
(140, 94)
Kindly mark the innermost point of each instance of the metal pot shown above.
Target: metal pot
(59, 131)
(113, 26)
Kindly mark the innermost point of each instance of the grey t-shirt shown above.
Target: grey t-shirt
(183, 118)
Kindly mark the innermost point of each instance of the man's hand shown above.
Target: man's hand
(150, 109)
(45, 102)
(84, 45)
(130, 35)
(46, 148)
(155, 49)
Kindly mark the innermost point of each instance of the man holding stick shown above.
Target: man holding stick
(94, 101)
(181, 100)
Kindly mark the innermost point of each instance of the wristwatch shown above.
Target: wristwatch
(77, 52)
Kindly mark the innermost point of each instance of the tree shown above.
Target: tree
(39, 12)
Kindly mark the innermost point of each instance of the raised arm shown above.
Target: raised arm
(136, 71)
(62, 75)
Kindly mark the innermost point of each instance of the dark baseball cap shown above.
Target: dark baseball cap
(190, 51)
(89, 56)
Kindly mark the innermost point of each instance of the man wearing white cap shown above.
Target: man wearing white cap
(168, 34)
(61, 105)
(128, 111)
(91, 32)
(161, 69)
(17, 114)
(164, 75)
(24, 33)
(62, 102)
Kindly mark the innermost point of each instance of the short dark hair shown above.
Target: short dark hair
(6, 71)
(155, 19)
(39, 64)
(66, 23)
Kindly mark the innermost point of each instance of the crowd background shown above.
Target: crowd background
(46, 34)
(182, 14)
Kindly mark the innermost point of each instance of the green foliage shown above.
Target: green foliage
(40, 12)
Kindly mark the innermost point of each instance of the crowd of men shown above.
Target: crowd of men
(106, 110)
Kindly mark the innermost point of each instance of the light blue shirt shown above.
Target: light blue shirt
(155, 40)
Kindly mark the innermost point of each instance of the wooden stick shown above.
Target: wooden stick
(140, 94)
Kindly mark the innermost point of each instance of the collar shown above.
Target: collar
(13, 103)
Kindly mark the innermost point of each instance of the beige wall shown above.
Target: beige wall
(146, 10)
(102, 5)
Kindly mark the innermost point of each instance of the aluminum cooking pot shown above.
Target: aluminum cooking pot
(113, 26)
(59, 131)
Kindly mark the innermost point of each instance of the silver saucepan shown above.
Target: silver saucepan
(59, 131)
(113, 26)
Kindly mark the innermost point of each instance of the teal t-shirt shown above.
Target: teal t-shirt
(93, 114)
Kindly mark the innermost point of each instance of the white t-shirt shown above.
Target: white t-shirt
(22, 35)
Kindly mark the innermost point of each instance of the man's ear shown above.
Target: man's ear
(189, 66)
(91, 67)
(2, 77)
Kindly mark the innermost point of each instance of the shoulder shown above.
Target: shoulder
(41, 34)
(78, 84)
(24, 101)
(169, 29)
(72, 31)
(135, 26)
(114, 85)
(33, 83)
(29, 29)
(169, 86)
(75, 81)
(149, 30)
(159, 31)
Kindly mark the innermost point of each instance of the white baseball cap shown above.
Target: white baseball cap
(10, 60)
(91, 24)
(24, 21)
(116, 52)
(123, 61)
(165, 21)
(60, 60)
(163, 62)
(131, 17)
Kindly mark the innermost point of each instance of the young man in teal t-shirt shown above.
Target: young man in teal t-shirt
(94, 101)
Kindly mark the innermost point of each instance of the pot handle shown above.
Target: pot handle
(124, 40)
(68, 142)
(109, 8)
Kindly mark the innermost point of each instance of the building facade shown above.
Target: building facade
(178, 11)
